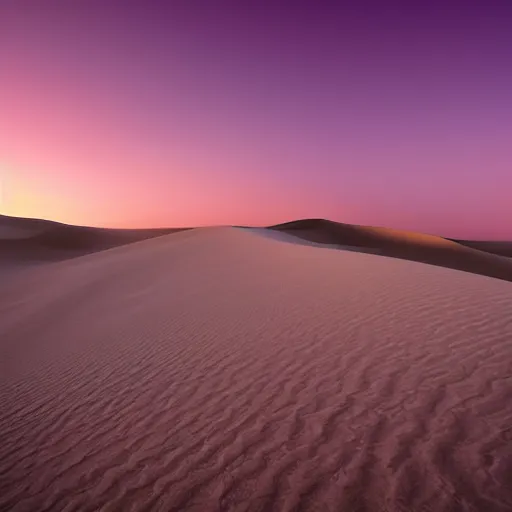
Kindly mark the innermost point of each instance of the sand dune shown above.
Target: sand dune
(485, 258)
(501, 248)
(41, 240)
(218, 369)
(34, 240)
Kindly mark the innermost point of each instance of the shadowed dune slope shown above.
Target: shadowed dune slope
(501, 248)
(40, 240)
(420, 247)
(219, 369)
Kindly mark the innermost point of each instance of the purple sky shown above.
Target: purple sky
(123, 113)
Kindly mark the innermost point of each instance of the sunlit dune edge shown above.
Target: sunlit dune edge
(467, 256)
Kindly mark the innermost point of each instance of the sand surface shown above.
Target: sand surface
(34, 240)
(485, 258)
(228, 369)
(501, 248)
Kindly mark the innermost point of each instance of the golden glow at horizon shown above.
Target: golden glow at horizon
(19, 199)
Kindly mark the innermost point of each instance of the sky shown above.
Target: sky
(188, 113)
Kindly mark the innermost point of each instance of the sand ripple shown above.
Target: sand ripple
(217, 369)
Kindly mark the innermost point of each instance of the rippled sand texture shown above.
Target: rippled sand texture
(220, 369)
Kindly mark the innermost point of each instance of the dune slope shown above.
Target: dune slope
(501, 248)
(483, 258)
(218, 369)
(41, 240)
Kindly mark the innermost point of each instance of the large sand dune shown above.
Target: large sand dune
(225, 369)
(485, 258)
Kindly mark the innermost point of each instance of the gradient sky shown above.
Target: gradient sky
(174, 113)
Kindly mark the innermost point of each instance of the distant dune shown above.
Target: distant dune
(232, 369)
(33, 239)
(501, 248)
(485, 258)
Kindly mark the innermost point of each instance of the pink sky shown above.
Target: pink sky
(137, 114)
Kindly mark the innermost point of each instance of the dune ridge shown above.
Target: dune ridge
(219, 369)
(34, 240)
(485, 258)
(44, 240)
(500, 248)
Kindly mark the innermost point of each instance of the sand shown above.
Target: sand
(501, 248)
(34, 240)
(226, 369)
(485, 258)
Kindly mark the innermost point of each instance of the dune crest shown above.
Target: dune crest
(44, 240)
(483, 258)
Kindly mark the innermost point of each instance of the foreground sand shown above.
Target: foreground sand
(229, 369)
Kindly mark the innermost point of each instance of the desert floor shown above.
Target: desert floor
(233, 369)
